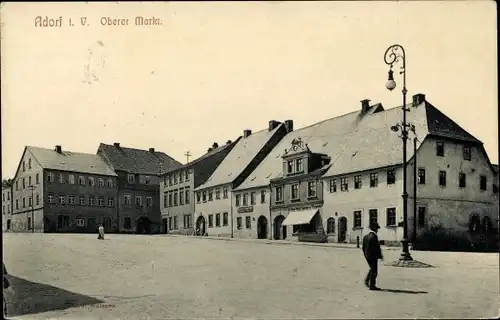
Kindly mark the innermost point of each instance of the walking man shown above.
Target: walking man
(101, 232)
(372, 252)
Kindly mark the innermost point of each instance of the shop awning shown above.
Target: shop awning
(299, 217)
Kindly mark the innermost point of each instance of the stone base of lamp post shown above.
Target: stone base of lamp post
(406, 260)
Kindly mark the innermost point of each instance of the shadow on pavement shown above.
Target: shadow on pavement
(26, 297)
(403, 291)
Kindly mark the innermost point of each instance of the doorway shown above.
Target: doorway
(262, 228)
(165, 225)
(279, 228)
(143, 226)
(342, 229)
(200, 226)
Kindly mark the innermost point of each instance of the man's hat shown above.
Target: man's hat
(374, 226)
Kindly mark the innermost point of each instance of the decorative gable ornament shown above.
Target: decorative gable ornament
(297, 146)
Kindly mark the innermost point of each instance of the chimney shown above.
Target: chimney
(247, 133)
(418, 99)
(58, 149)
(151, 149)
(215, 145)
(273, 124)
(365, 105)
(289, 126)
(116, 144)
(209, 149)
(229, 142)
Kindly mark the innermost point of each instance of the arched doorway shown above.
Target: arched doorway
(330, 226)
(262, 228)
(474, 223)
(342, 229)
(143, 225)
(279, 228)
(8, 224)
(200, 226)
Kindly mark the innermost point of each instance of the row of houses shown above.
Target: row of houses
(323, 182)
(328, 181)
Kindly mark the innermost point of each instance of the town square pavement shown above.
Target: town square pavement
(67, 276)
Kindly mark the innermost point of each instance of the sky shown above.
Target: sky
(212, 70)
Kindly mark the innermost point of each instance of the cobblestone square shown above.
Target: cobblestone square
(67, 276)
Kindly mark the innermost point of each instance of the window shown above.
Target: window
(100, 182)
(422, 217)
(391, 216)
(149, 201)
(461, 180)
(81, 180)
(279, 194)
(357, 182)
(71, 199)
(187, 175)
(442, 178)
(170, 198)
(333, 185)
(224, 192)
(100, 201)
(92, 200)
(330, 225)
(176, 178)
(50, 177)
(188, 220)
(440, 148)
(225, 219)
(239, 223)
(91, 181)
(24, 202)
(299, 165)
(111, 202)
(248, 222)
(187, 196)
(291, 166)
(245, 199)
(238, 197)
(29, 181)
(29, 163)
(127, 223)
(170, 224)
(210, 220)
(30, 201)
(175, 223)
(181, 197)
(210, 195)
(24, 166)
(373, 214)
(61, 178)
(127, 199)
(81, 200)
(204, 196)
(80, 222)
(217, 220)
(17, 184)
(263, 196)
(130, 178)
(198, 197)
(170, 179)
(138, 201)
(421, 176)
(391, 176)
(373, 179)
(181, 177)
(110, 183)
(165, 200)
(24, 183)
(175, 197)
(311, 189)
(467, 153)
(252, 198)
(295, 191)
(343, 184)
(62, 199)
(37, 178)
(37, 199)
(17, 202)
(29, 221)
(62, 221)
(482, 183)
(217, 193)
(357, 219)
(71, 179)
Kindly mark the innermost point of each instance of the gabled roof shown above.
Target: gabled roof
(239, 158)
(495, 168)
(70, 161)
(355, 142)
(137, 161)
(207, 155)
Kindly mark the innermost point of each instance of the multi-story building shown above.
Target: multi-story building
(214, 203)
(177, 189)
(62, 191)
(138, 174)
(6, 204)
(347, 171)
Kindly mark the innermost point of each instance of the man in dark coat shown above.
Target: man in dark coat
(372, 252)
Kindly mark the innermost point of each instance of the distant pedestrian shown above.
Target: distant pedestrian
(372, 253)
(101, 233)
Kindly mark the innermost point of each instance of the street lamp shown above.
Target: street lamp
(32, 188)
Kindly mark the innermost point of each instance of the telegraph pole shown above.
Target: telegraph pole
(188, 155)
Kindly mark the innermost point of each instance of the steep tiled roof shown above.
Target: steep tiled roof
(70, 161)
(239, 158)
(495, 167)
(354, 142)
(137, 161)
(440, 125)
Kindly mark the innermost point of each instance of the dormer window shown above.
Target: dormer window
(131, 178)
(299, 166)
(311, 189)
(291, 166)
(467, 153)
(440, 148)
